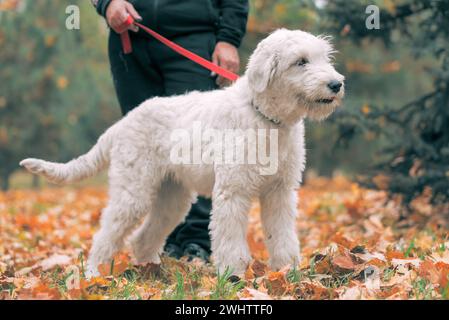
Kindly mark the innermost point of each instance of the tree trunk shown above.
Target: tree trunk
(35, 182)
(5, 182)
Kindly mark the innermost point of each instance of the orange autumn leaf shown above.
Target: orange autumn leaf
(276, 283)
(322, 264)
(346, 29)
(343, 240)
(443, 268)
(118, 265)
(359, 67)
(62, 82)
(382, 181)
(355, 207)
(75, 294)
(94, 281)
(312, 290)
(256, 269)
(344, 230)
(376, 262)
(366, 109)
(7, 5)
(391, 67)
(252, 294)
(39, 292)
(429, 271)
(390, 255)
(390, 291)
(343, 263)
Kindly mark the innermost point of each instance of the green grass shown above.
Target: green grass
(410, 248)
(422, 289)
(388, 273)
(225, 289)
(294, 275)
(179, 293)
(445, 292)
(128, 291)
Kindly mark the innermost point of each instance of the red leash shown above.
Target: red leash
(127, 48)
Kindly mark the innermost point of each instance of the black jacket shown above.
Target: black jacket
(227, 18)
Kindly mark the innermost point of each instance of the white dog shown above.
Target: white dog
(289, 77)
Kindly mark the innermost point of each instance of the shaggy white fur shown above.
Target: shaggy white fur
(289, 77)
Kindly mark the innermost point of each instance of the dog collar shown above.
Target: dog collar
(272, 120)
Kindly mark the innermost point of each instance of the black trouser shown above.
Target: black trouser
(152, 69)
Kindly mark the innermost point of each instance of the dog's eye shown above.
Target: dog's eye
(302, 62)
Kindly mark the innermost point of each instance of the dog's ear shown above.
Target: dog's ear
(262, 68)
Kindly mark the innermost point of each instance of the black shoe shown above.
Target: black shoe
(173, 250)
(193, 250)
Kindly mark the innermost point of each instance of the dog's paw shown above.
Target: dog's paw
(143, 259)
(91, 272)
(281, 261)
(236, 266)
(143, 253)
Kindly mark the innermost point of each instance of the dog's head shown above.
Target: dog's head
(294, 70)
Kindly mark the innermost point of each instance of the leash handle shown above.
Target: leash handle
(126, 42)
(127, 48)
(124, 35)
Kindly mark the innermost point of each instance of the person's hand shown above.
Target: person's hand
(226, 56)
(117, 13)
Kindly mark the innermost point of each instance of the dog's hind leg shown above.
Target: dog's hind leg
(127, 205)
(172, 204)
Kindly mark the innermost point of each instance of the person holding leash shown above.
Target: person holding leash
(213, 29)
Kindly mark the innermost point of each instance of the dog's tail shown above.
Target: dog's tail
(75, 170)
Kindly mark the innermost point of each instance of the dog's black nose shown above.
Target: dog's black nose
(335, 86)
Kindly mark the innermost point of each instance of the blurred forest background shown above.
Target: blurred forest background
(56, 92)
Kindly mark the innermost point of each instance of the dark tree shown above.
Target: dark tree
(417, 155)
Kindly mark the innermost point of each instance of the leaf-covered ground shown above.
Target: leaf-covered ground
(356, 244)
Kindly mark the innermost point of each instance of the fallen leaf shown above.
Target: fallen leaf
(343, 263)
(253, 294)
(256, 269)
(55, 260)
(118, 265)
(276, 283)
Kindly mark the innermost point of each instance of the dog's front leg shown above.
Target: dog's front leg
(228, 228)
(278, 212)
